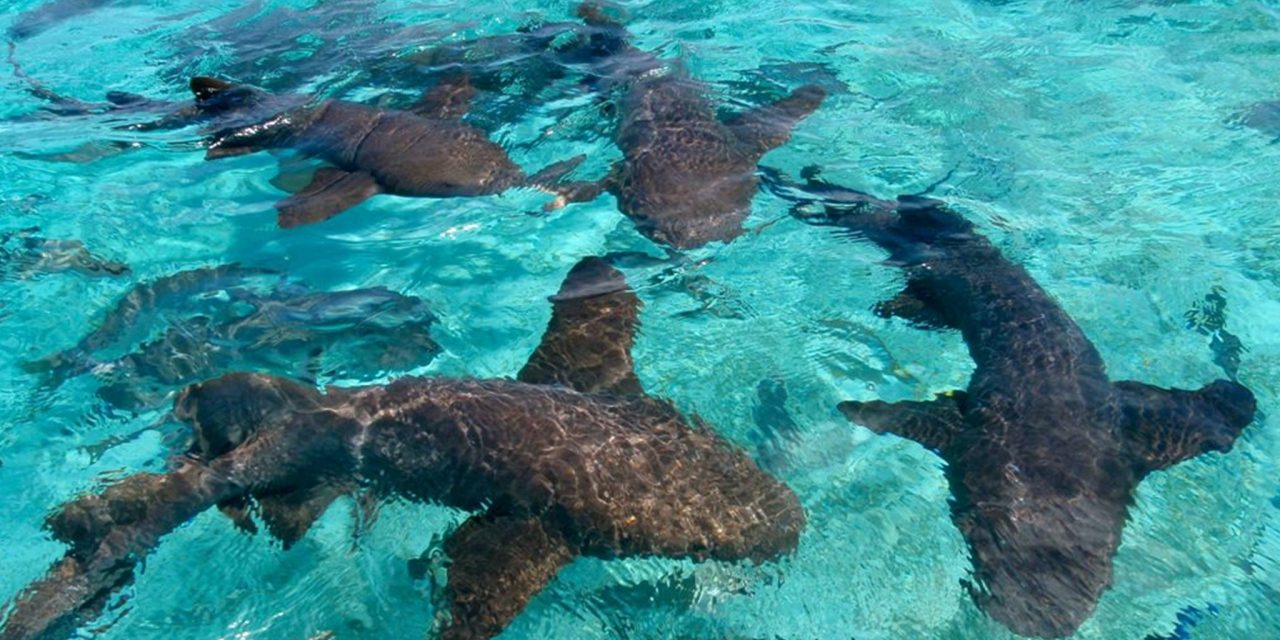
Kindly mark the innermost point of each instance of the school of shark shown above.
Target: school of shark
(569, 456)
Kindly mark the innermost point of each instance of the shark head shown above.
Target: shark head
(214, 96)
(227, 411)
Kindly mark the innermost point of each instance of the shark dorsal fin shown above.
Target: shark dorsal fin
(587, 344)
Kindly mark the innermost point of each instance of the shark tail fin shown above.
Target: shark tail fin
(587, 344)
(109, 533)
(1166, 426)
(934, 423)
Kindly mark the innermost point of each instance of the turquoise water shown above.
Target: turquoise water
(1095, 142)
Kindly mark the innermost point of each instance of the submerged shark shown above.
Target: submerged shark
(24, 254)
(686, 177)
(426, 151)
(231, 316)
(1043, 450)
(570, 459)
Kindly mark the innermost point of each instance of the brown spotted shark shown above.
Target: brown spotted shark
(427, 151)
(686, 177)
(570, 459)
(1043, 450)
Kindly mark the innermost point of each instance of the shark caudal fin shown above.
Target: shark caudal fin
(587, 344)
(108, 534)
(498, 563)
(767, 127)
(934, 424)
(1166, 426)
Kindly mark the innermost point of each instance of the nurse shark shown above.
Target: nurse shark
(229, 317)
(686, 178)
(1044, 451)
(570, 459)
(426, 151)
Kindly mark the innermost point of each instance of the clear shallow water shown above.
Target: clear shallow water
(1093, 141)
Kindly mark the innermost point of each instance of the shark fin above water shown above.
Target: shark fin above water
(330, 192)
(587, 344)
(498, 563)
(449, 99)
(1167, 426)
(934, 423)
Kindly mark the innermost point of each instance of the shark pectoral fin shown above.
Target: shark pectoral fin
(331, 192)
(587, 344)
(289, 515)
(497, 565)
(237, 509)
(934, 424)
(449, 99)
(1167, 426)
(912, 304)
(764, 128)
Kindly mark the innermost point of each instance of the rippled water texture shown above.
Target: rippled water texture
(1113, 148)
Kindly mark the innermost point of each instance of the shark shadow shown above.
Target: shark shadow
(1043, 450)
(570, 459)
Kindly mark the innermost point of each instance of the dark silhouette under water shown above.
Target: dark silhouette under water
(686, 177)
(551, 471)
(1043, 450)
(24, 254)
(219, 318)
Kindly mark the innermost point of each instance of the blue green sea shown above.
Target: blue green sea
(1112, 147)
